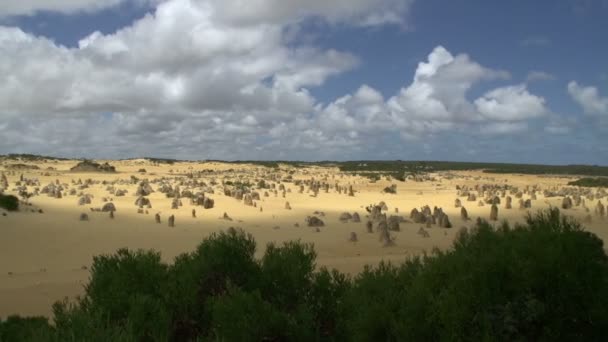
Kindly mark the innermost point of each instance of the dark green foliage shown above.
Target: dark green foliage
(122, 278)
(397, 167)
(125, 296)
(31, 157)
(33, 329)
(246, 316)
(394, 168)
(373, 308)
(287, 273)
(220, 261)
(545, 280)
(590, 182)
(9, 202)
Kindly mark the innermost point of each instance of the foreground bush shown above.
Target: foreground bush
(16, 328)
(9, 202)
(544, 280)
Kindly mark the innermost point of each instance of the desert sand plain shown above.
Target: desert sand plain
(45, 257)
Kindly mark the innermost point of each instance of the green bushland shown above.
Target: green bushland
(409, 167)
(395, 168)
(591, 182)
(544, 280)
(9, 202)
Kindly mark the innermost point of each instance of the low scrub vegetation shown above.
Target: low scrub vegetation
(409, 167)
(545, 280)
(9, 202)
(591, 182)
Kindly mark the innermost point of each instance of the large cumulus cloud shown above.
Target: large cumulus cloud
(218, 79)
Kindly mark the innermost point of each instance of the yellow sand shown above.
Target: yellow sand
(44, 257)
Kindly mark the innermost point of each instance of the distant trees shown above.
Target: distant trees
(590, 182)
(544, 280)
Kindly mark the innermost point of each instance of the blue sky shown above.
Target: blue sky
(517, 81)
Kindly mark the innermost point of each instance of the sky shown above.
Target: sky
(461, 80)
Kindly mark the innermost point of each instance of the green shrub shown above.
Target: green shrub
(73, 323)
(9, 202)
(221, 260)
(287, 274)
(125, 295)
(25, 329)
(544, 280)
(590, 182)
(117, 279)
(245, 316)
(373, 308)
(328, 289)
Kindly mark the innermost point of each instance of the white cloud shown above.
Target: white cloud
(199, 79)
(30, 7)
(439, 89)
(437, 101)
(360, 12)
(513, 103)
(243, 13)
(504, 127)
(589, 98)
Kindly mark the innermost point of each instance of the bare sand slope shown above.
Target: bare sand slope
(45, 257)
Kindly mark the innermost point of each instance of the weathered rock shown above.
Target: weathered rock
(86, 199)
(313, 221)
(208, 203)
(508, 201)
(464, 215)
(353, 237)
(108, 207)
(345, 217)
(494, 212)
(600, 210)
(142, 202)
(567, 203)
(226, 217)
(247, 200)
(444, 221)
(393, 223)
